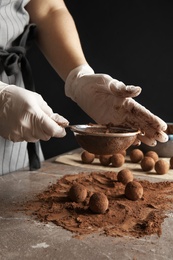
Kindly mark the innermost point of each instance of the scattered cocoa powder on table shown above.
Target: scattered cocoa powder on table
(123, 217)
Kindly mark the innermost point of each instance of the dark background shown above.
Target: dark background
(131, 41)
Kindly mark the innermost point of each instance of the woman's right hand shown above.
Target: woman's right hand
(25, 116)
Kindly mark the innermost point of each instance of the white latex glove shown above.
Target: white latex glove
(24, 115)
(107, 100)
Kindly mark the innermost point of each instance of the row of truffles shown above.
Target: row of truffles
(116, 160)
(148, 161)
(98, 201)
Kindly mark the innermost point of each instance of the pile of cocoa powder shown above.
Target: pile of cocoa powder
(123, 217)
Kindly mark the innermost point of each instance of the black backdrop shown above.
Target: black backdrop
(131, 40)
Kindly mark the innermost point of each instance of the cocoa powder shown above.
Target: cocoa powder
(122, 218)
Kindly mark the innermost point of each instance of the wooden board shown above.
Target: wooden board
(73, 158)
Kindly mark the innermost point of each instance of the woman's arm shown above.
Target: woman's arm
(57, 35)
(104, 99)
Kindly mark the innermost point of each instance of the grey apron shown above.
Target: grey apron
(14, 41)
(12, 60)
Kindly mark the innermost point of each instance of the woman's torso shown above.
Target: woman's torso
(13, 19)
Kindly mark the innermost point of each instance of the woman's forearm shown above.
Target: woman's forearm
(57, 35)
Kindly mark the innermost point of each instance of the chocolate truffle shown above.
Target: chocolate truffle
(87, 157)
(77, 192)
(136, 155)
(117, 160)
(171, 163)
(153, 155)
(124, 176)
(98, 203)
(123, 153)
(161, 166)
(147, 163)
(133, 190)
(105, 160)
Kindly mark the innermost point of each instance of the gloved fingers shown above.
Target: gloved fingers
(49, 128)
(150, 132)
(60, 120)
(159, 136)
(140, 117)
(147, 140)
(162, 124)
(121, 90)
(137, 142)
(33, 131)
(117, 88)
(49, 121)
(40, 127)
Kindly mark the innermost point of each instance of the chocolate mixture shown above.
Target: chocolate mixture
(123, 218)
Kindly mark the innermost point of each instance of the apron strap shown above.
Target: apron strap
(13, 61)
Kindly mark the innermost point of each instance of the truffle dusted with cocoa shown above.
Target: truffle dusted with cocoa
(117, 160)
(161, 166)
(136, 155)
(123, 153)
(87, 157)
(77, 192)
(98, 203)
(133, 190)
(147, 163)
(153, 155)
(124, 176)
(105, 160)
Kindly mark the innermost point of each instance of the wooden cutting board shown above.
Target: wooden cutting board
(73, 158)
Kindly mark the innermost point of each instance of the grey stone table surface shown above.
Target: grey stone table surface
(22, 237)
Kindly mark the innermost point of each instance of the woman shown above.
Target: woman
(24, 115)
